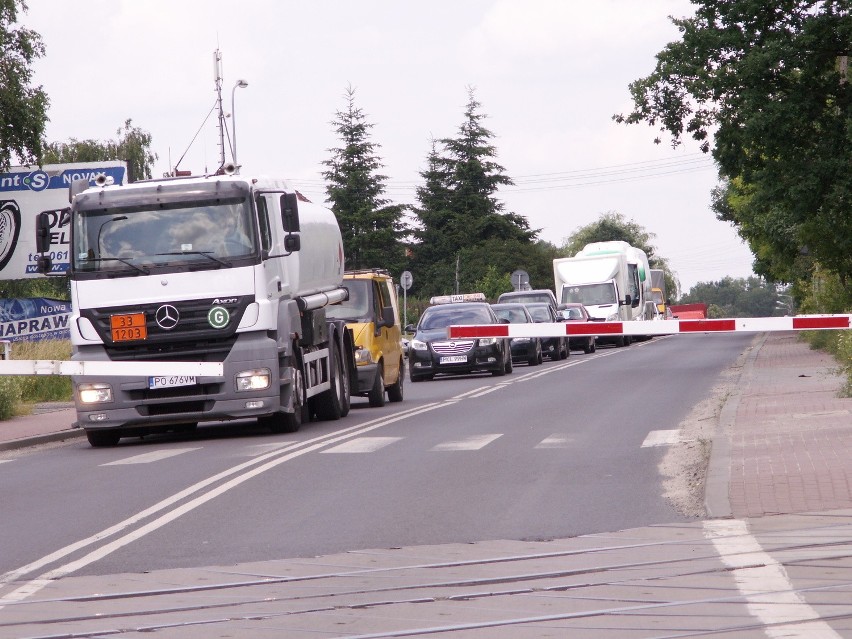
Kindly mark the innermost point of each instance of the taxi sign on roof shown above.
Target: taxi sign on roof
(452, 299)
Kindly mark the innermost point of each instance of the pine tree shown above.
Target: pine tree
(371, 226)
(461, 220)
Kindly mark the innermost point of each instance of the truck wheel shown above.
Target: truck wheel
(289, 422)
(377, 393)
(395, 391)
(328, 404)
(590, 346)
(100, 438)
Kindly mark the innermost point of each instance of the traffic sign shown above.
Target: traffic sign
(406, 280)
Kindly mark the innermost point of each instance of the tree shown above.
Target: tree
(612, 226)
(772, 81)
(132, 146)
(372, 227)
(23, 107)
(461, 222)
(729, 297)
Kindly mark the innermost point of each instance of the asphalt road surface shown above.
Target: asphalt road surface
(548, 451)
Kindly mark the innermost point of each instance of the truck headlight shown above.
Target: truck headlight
(487, 341)
(363, 356)
(256, 379)
(612, 318)
(94, 393)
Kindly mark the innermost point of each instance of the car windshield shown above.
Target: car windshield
(514, 315)
(444, 316)
(539, 313)
(590, 294)
(357, 307)
(137, 237)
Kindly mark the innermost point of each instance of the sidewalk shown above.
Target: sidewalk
(49, 422)
(774, 559)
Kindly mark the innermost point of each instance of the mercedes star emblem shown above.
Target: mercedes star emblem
(167, 317)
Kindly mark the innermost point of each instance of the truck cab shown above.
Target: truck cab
(372, 314)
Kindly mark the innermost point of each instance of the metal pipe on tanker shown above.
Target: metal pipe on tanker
(318, 300)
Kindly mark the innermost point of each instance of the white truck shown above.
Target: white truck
(222, 269)
(611, 279)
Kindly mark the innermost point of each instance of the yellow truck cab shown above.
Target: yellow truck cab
(372, 313)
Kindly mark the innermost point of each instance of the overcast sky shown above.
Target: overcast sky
(549, 75)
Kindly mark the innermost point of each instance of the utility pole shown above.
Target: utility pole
(217, 72)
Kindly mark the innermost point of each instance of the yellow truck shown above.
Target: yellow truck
(372, 313)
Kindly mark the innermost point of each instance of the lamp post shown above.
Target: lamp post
(242, 84)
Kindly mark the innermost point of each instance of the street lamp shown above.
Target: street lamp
(242, 84)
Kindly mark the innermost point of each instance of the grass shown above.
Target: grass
(19, 392)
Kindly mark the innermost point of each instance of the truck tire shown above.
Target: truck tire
(328, 405)
(101, 438)
(395, 391)
(289, 422)
(377, 392)
(590, 346)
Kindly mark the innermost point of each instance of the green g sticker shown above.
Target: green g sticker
(218, 317)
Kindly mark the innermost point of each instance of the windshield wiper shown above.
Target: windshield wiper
(140, 269)
(204, 253)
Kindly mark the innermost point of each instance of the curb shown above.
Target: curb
(717, 501)
(35, 440)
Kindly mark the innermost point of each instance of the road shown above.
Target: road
(549, 451)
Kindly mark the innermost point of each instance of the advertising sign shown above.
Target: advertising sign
(34, 319)
(27, 191)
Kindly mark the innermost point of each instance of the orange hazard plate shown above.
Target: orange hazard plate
(128, 327)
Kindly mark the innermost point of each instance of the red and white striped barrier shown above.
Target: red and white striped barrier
(657, 327)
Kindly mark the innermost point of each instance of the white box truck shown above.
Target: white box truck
(215, 269)
(612, 279)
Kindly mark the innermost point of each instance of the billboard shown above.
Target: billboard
(34, 319)
(27, 191)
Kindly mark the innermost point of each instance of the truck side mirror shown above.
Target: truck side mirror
(292, 243)
(42, 232)
(627, 300)
(44, 264)
(290, 212)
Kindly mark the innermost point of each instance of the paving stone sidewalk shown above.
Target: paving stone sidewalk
(791, 439)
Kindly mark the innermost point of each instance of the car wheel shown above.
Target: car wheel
(395, 391)
(377, 393)
(509, 364)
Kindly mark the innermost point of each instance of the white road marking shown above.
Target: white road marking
(556, 440)
(362, 445)
(661, 438)
(261, 449)
(763, 581)
(469, 443)
(153, 456)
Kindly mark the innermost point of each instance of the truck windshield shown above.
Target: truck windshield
(357, 308)
(590, 294)
(214, 232)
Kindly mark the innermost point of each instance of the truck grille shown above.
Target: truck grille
(455, 347)
(192, 338)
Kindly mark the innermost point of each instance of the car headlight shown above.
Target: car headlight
(487, 341)
(363, 356)
(256, 379)
(417, 345)
(94, 393)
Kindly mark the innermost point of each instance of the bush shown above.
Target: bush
(30, 389)
(10, 396)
